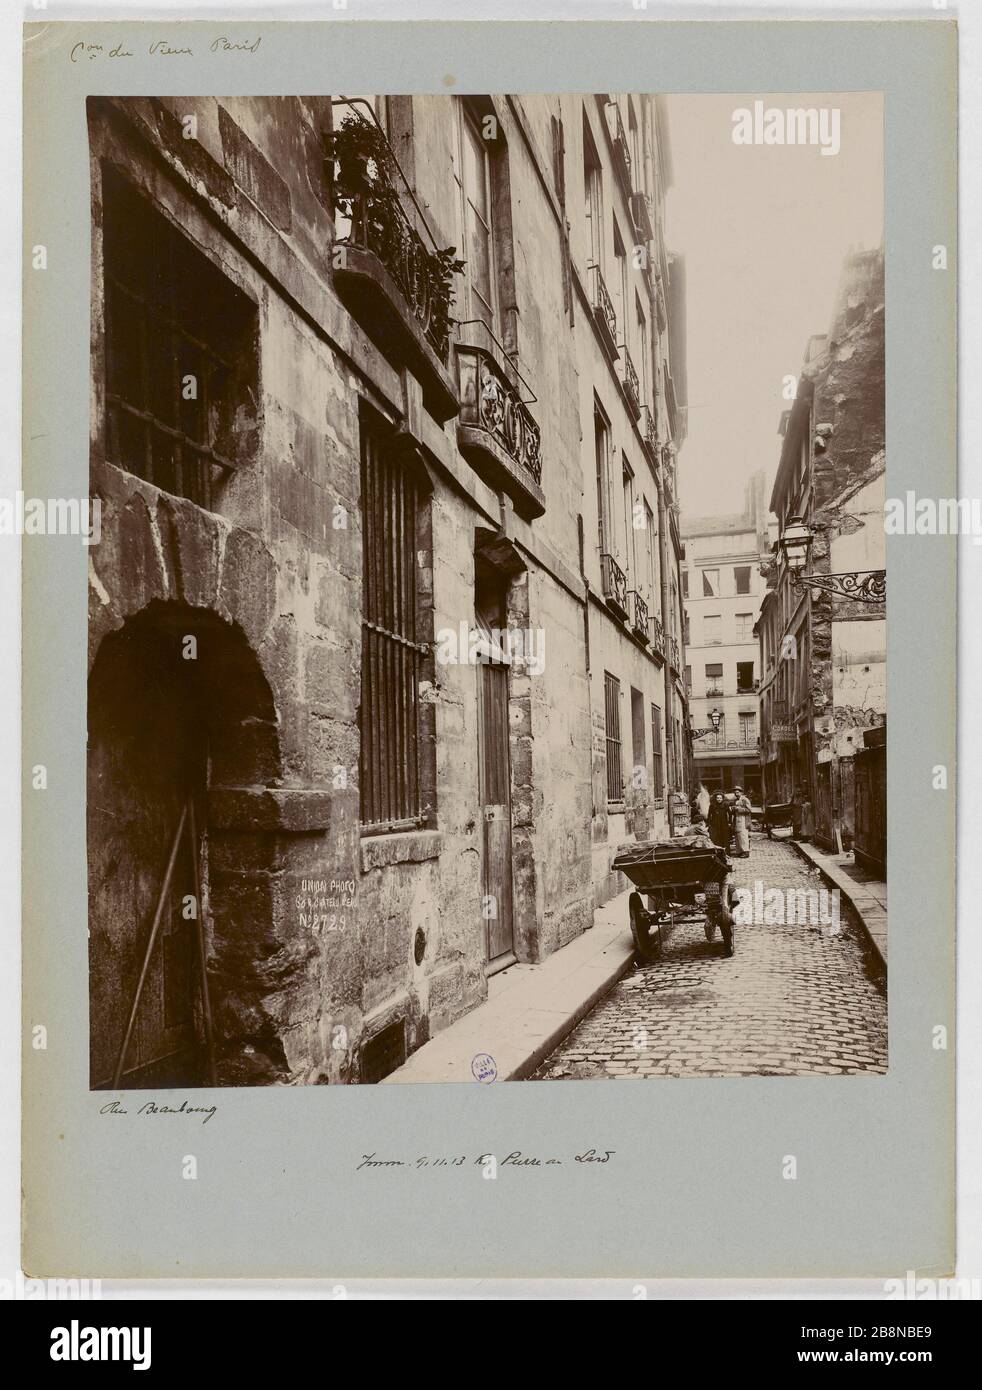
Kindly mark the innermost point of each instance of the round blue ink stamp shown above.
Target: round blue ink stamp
(484, 1068)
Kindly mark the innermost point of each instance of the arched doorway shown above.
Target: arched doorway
(177, 703)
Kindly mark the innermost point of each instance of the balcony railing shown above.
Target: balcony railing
(714, 689)
(630, 382)
(622, 150)
(394, 275)
(638, 610)
(711, 743)
(657, 636)
(603, 309)
(496, 430)
(674, 654)
(614, 583)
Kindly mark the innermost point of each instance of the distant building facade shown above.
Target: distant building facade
(385, 626)
(723, 590)
(823, 657)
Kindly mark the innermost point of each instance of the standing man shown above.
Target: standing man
(741, 823)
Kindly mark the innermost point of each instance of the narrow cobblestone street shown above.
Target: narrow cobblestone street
(792, 1000)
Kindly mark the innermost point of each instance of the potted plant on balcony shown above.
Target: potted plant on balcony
(363, 177)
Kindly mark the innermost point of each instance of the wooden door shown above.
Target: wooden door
(495, 802)
(494, 777)
(144, 755)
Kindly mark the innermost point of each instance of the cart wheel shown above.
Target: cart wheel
(648, 945)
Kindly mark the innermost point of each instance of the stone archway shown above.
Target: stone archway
(181, 714)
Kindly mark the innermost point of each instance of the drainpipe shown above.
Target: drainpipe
(666, 605)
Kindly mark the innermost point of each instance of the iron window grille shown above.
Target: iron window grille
(390, 660)
(180, 353)
(612, 701)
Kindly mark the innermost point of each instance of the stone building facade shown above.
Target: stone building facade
(350, 618)
(823, 656)
(723, 588)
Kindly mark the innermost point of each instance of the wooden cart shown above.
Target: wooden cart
(685, 880)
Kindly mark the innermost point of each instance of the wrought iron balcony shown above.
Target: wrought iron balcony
(614, 583)
(496, 430)
(638, 611)
(657, 636)
(641, 216)
(709, 742)
(630, 382)
(622, 150)
(393, 278)
(649, 432)
(603, 310)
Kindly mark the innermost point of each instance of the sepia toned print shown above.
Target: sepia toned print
(487, 631)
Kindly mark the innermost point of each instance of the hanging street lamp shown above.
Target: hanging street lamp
(869, 586)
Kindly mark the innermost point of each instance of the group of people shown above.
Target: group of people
(725, 817)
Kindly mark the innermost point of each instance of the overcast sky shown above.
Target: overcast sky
(764, 230)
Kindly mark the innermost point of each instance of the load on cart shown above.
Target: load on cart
(685, 879)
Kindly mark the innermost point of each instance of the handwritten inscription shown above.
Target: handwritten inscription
(516, 1159)
(153, 1107)
(159, 48)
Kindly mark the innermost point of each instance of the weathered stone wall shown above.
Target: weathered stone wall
(270, 584)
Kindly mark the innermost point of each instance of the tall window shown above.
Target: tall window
(741, 576)
(714, 679)
(630, 549)
(474, 179)
(594, 200)
(652, 549)
(744, 627)
(390, 651)
(642, 327)
(685, 583)
(621, 284)
(710, 583)
(612, 706)
(601, 443)
(180, 353)
(745, 676)
(712, 629)
(634, 141)
(640, 771)
(657, 756)
(748, 728)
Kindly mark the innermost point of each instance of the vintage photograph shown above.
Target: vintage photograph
(487, 629)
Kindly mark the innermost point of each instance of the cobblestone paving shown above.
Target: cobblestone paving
(792, 1000)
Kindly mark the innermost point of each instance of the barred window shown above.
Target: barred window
(180, 352)
(615, 773)
(390, 713)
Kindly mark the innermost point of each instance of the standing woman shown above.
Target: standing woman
(719, 821)
(741, 822)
